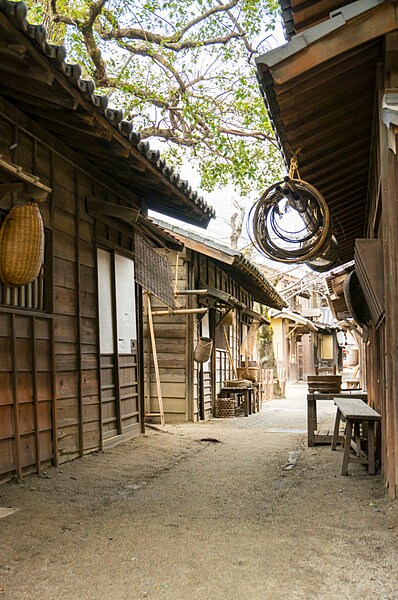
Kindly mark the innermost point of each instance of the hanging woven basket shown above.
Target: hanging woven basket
(21, 245)
(203, 350)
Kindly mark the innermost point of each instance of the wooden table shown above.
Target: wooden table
(356, 413)
(251, 399)
(312, 424)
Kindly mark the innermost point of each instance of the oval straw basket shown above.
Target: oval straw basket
(250, 373)
(203, 350)
(21, 245)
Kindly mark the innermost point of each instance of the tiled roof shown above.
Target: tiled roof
(37, 34)
(248, 274)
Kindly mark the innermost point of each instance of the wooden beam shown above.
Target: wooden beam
(25, 70)
(59, 123)
(308, 13)
(179, 311)
(13, 86)
(31, 183)
(359, 30)
(391, 51)
(203, 249)
(124, 213)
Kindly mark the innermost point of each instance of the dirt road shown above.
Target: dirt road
(255, 515)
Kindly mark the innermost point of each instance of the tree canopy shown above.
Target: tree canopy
(183, 70)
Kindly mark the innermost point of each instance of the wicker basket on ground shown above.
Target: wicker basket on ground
(225, 407)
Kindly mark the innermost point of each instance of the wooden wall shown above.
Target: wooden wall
(189, 390)
(174, 341)
(382, 344)
(68, 374)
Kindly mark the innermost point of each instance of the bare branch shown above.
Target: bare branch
(169, 135)
(259, 135)
(221, 8)
(241, 31)
(158, 58)
(130, 33)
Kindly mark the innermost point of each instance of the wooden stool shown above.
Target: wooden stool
(356, 412)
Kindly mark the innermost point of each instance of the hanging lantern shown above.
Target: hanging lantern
(21, 245)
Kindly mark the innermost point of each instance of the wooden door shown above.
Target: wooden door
(118, 346)
(26, 393)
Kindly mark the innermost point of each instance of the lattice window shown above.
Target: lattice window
(153, 271)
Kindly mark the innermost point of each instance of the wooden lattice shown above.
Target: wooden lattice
(153, 271)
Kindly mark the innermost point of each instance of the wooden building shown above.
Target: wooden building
(222, 286)
(332, 94)
(71, 342)
(304, 346)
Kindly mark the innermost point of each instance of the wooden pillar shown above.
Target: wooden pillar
(140, 356)
(17, 435)
(78, 316)
(35, 396)
(389, 190)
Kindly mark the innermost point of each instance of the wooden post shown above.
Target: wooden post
(228, 347)
(35, 397)
(388, 175)
(54, 396)
(155, 361)
(78, 316)
(140, 355)
(18, 465)
(116, 346)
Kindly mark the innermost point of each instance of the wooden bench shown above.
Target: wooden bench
(316, 438)
(356, 412)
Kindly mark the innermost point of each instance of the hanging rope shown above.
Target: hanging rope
(291, 223)
(293, 166)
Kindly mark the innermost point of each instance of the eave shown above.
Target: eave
(295, 318)
(320, 92)
(37, 80)
(233, 262)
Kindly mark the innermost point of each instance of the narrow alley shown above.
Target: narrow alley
(227, 509)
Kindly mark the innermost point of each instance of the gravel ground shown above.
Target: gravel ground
(229, 509)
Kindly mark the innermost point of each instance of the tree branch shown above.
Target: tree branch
(158, 58)
(161, 40)
(241, 31)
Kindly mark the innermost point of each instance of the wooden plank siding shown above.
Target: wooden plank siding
(172, 351)
(26, 394)
(50, 400)
(189, 389)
